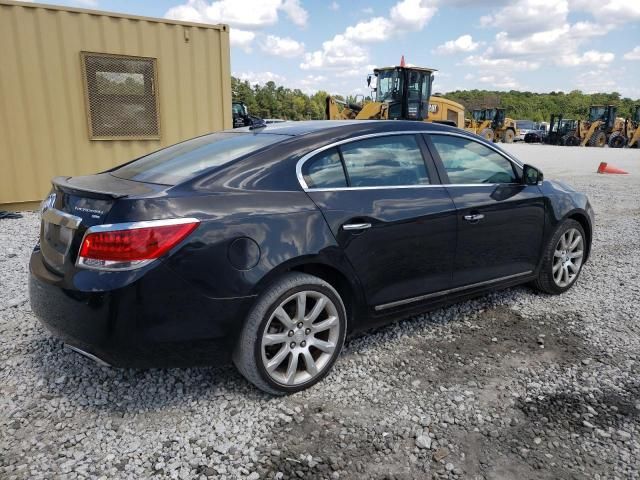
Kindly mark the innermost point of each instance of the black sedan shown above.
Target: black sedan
(535, 136)
(268, 246)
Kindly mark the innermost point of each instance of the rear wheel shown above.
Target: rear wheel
(570, 141)
(563, 258)
(598, 139)
(617, 140)
(509, 135)
(292, 336)
(487, 134)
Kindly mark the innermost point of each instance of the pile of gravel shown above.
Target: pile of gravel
(509, 385)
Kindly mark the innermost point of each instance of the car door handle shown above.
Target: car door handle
(356, 226)
(474, 218)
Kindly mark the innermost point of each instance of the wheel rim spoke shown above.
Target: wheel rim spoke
(310, 363)
(278, 358)
(317, 309)
(557, 254)
(275, 338)
(301, 306)
(284, 317)
(326, 347)
(324, 325)
(557, 267)
(292, 368)
(576, 254)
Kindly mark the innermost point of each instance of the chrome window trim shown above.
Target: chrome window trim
(386, 306)
(466, 136)
(82, 262)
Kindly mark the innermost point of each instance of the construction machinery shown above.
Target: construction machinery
(399, 93)
(629, 135)
(480, 124)
(492, 124)
(560, 130)
(595, 131)
(242, 118)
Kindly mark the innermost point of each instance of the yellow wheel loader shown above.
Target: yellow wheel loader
(480, 124)
(629, 134)
(595, 131)
(400, 93)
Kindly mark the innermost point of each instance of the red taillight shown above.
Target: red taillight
(131, 246)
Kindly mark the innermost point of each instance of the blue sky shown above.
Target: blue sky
(534, 45)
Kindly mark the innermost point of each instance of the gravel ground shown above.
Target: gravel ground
(509, 385)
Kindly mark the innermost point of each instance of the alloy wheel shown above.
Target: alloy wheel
(567, 258)
(300, 338)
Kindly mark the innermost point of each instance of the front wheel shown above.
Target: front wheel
(563, 258)
(292, 335)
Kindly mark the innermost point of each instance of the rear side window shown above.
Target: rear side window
(179, 162)
(469, 162)
(394, 160)
(324, 170)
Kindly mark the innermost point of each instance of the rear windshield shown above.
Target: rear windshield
(179, 162)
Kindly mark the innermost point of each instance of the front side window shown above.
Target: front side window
(179, 162)
(122, 96)
(469, 162)
(324, 170)
(393, 160)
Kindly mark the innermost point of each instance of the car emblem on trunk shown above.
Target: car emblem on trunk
(48, 203)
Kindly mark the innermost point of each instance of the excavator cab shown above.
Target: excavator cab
(477, 115)
(405, 91)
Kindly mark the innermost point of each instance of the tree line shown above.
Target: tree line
(275, 101)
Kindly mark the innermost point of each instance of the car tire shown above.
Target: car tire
(276, 318)
(559, 251)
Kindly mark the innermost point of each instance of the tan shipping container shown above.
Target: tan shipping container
(82, 91)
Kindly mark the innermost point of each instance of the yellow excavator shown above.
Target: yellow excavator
(400, 93)
(629, 135)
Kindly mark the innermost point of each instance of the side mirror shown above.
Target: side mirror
(531, 175)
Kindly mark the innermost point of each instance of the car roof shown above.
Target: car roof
(294, 128)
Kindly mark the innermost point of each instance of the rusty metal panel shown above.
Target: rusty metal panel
(45, 128)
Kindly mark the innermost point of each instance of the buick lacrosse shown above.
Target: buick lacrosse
(267, 246)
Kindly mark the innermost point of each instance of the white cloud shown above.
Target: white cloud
(282, 47)
(591, 57)
(345, 51)
(259, 77)
(463, 43)
(503, 64)
(243, 17)
(499, 82)
(334, 6)
(613, 11)
(294, 11)
(375, 29)
(526, 16)
(633, 54)
(337, 52)
(241, 38)
(412, 14)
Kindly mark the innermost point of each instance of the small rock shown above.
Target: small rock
(449, 467)
(440, 454)
(423, 441)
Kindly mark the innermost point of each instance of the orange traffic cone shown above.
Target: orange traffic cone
(605, 168)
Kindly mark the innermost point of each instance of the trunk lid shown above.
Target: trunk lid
(77, 203)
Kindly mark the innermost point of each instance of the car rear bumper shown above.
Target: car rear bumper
(159, 320)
